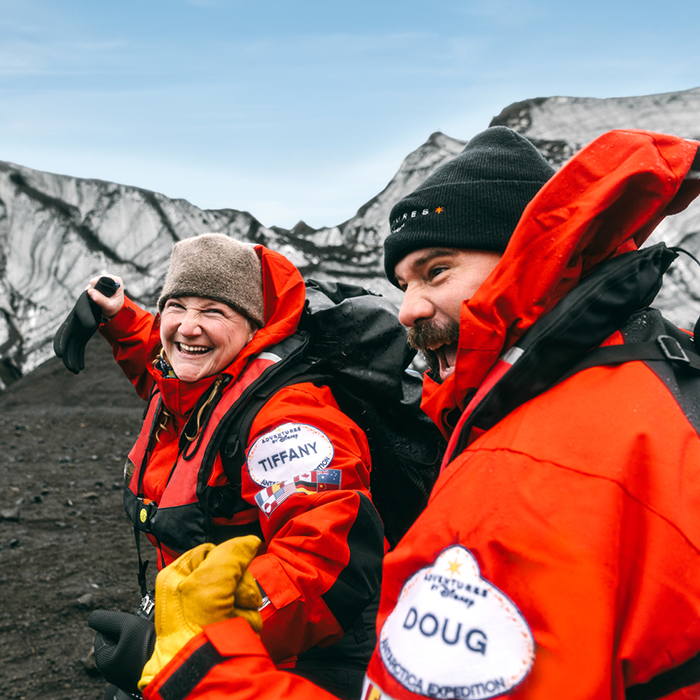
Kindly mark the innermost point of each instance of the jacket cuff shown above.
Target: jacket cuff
(217, 643)
(274, 580)
(121, 325)
(235, 637)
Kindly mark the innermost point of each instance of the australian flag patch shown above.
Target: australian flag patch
(311, 482)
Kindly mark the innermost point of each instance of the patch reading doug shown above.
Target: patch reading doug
(453, 634)
(287, 451)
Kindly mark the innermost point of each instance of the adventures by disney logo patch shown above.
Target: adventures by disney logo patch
(400, 221)
(288, 450)
(453, 634)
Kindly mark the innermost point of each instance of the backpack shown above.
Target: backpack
(350, 340)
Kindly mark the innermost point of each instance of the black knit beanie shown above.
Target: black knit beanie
(475, 201)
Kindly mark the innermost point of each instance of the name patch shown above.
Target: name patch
(454, 634)
(287, 451)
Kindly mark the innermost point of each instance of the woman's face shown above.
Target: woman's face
(201, 337)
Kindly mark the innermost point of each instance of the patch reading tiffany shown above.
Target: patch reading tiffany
(287, 451)
(453, 634)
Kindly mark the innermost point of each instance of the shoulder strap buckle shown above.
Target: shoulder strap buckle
(672, 349)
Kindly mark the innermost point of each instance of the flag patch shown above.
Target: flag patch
(311, 482)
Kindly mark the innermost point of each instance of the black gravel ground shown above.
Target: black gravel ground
(66, 546)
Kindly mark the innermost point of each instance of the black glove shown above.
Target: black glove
(80, 325)
(123, 644)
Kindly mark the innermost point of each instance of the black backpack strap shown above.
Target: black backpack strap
(664, 348)
(143, 565)
(237, 429)
(688, 673)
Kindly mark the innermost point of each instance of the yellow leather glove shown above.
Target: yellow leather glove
(205, 585)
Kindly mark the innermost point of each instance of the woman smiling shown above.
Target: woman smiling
(223, 305)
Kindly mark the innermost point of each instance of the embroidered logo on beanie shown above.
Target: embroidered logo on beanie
(398, 223)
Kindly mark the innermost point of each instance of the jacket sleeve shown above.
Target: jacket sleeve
(128, 333)
(325, 541)
(228, 661)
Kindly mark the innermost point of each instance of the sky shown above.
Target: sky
(304, 109)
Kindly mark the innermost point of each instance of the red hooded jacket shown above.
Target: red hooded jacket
(320, 562)
(558, 555)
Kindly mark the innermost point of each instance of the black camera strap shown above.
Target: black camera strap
(143, 565)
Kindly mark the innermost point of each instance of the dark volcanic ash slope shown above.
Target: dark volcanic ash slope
(65, 543)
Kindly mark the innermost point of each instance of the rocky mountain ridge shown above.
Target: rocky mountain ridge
(560, 126)
(57, 231)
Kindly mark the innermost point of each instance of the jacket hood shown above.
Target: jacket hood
(284, 295)
(605, 201)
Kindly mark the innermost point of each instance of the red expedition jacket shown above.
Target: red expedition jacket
(558, 555)
(320, 563)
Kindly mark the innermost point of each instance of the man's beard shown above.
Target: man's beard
(426, 334)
